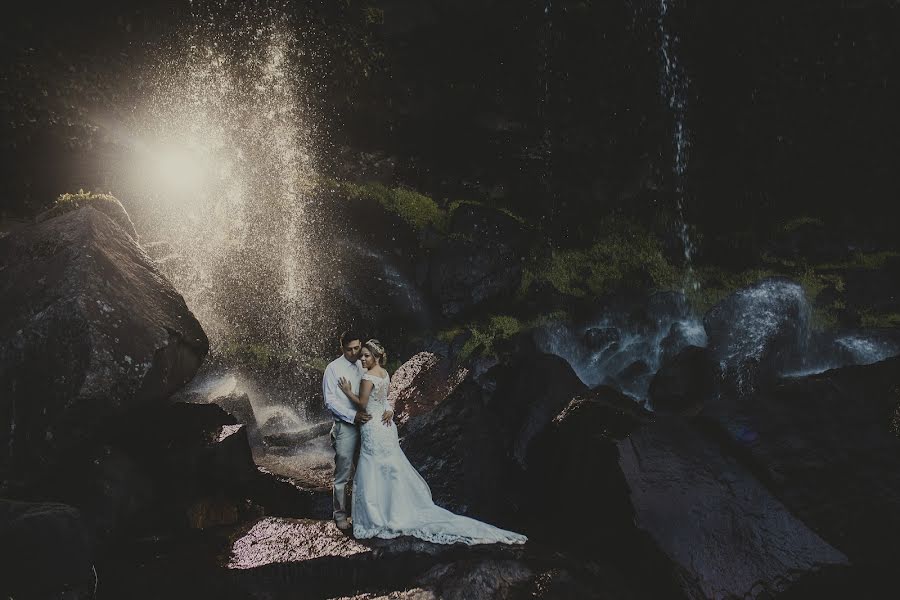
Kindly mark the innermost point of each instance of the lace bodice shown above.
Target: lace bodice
(379, 393)
(378, 439)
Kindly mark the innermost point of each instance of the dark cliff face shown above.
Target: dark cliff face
(558, 107)
(554, 109)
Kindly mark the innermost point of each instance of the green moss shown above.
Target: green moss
(525, 284)
(105, 203)
(417, 210)
(715, 284)
(486, 336)
(871, 318)
(871, 260)
(622, 250)
(448, 335)
(799, 222)
(457, 203)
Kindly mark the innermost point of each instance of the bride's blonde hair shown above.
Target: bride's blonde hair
(377, 350)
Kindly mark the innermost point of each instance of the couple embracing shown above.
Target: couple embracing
(389, 496)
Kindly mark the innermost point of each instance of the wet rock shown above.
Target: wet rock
(237, 405)
(676, 339)
(581, 439)
(756, 332)
(279, 422)
(458, 343)
(108, 205)
(660, 307)
(599, 338)
(274, 556)
(486, 223)
(634, 370)
(421, 383)
(824, 445)
(110, 489)
(486, 578)
(45, 552)
(811, 241)
(295, 438)
(472, 447)
(683, 384)
(723, 531)
(213, 511)
(529, 392)
(833, 349)
(198, 442)
(464, 273)
(456, 449)
(83, 302)
(877, 290)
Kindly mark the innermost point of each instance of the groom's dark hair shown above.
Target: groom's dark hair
(350, 335)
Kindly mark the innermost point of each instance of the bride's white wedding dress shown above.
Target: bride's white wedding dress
(391, 499)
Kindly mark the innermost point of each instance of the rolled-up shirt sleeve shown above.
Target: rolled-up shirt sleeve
(330, 391)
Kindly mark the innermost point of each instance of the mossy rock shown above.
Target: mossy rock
(105, 203)
(417, 210)
(623, 254)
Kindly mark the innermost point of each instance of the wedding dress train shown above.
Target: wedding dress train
(391, 499)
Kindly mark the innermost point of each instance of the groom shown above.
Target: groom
(345, 430)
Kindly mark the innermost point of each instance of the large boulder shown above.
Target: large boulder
(684, 383)
(824, 444)
(724, 533)
(579, 499)
(574, 470)
(272, 557)
(455, 447)
(421, 383)
(472, 448)
(529, 391)
(757, 332)
(110, 489)
(45, 552)
(89, 329)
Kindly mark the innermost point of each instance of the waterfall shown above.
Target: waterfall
(218, 166)
(674, 91)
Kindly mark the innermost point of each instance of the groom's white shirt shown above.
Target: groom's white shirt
(335, 400)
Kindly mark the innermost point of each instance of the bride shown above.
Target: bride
(390, 498)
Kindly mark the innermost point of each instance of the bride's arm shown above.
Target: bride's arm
(365, 388)
(388, 416)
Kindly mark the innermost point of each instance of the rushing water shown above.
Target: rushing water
(674, 91)
(615, 350)
(219, 166)
(764, 331)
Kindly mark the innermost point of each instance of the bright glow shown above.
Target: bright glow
(178, 170)
(218, 165)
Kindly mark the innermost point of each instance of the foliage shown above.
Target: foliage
(622, 250)
(489, 334)
(417, 210)
(105, 203)
(870, 318)
(458, 203)
(795, 224)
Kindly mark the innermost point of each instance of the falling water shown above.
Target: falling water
(219, 163)
(674, 91)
